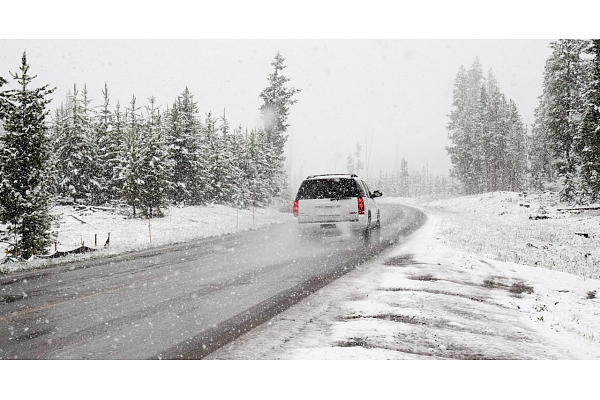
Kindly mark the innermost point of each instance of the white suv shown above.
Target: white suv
(338, 201)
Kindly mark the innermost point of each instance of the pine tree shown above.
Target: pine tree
(540, 157)
(184, 135)
(24, 163)
(464, 128)
(57, 128)
(215, 156)
(76, 153)
(516, 151)
(277, 99)
(105, 145)
(488, 151)
(249, 161)
(494, 142)
(117, 154)
(155, 164)
(353, 164)
(359, 164)
(588, 141)
(483, 143)
(350, 164)
(258, 169)
(129, 171)
(404, 186)
(230, 155)
(238, 157)
(561, 107)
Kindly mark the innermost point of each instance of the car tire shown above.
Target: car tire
(377, 227)
(367, 230)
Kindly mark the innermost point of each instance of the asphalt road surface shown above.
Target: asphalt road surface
(181, 301)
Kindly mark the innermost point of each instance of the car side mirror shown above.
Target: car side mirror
(376, 193)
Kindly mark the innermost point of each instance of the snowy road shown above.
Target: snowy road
(425, 300)
(182, 301)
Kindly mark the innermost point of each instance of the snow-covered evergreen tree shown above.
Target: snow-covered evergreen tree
(156, 165)
(57, 127)
(403, 179)
(130, 169)
(350, 164)
(184, 131)
(277, 98)
(540, 156)
(101, 155)
(561, 107)
(231, 153)
(353, 163)
(240, 195)
(483, 143)
(587, 143)
(258, 168)
(495, 137)
(117, 155)
(105, 145)
(463, 128)
(516, 151)
(487, 134)
(76, 153)
(214, 154)
(24, 165)
(358, 163)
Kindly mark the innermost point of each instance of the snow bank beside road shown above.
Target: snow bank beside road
(179, 225)
(526, 229)
(93, 227)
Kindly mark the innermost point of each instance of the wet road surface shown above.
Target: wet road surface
(178, 302)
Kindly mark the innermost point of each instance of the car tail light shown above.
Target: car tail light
(361, 205)
(296, 208)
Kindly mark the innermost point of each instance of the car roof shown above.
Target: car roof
(332, 176)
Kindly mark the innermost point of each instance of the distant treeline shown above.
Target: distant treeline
(488, 150)
(414, 183)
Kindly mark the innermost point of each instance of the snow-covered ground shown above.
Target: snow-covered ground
(532, 229)
(447, 294)
(92, 227)
(500, 275)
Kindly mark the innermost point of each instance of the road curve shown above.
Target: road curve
(177, 302)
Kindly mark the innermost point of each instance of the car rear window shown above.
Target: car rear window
(328, 188)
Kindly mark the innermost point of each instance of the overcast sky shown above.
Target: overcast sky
(391, 96)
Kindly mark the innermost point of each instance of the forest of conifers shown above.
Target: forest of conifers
(137, 155)
(492, 149)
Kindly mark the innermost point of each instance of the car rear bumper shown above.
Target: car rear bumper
(332, 226)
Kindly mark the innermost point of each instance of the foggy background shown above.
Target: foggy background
(391, 96)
